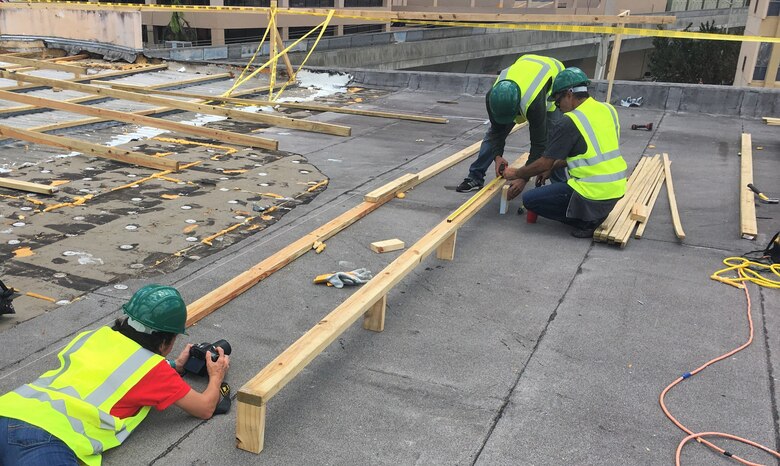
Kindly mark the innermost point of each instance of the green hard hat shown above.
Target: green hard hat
(566, 79)
(158, 307)
(504, 101)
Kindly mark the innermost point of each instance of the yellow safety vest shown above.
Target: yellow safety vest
(600, 173)
(531, 73)
(73, 402)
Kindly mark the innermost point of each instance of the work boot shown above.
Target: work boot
(468, 185)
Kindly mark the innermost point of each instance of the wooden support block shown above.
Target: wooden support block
(374, 318)
(673, 199)
(250, 426)
(91, 150)
(20, 185)
(504, 205)
(387, 245)
(772, 121)
(748, 226)
(446, 250)
(639, 213)
(389, 190)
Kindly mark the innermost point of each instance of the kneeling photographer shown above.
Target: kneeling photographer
(107, 382)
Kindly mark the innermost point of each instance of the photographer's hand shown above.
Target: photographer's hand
(217, 370)
(181, 360)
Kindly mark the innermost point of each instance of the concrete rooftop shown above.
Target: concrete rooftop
(531, 347)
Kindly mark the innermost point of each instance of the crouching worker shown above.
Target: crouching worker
(583, 146)
(107, 382)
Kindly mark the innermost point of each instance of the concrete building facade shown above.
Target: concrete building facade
(758, 63)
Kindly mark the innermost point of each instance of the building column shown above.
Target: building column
(150, 39)
(217, 34)
(603, 52)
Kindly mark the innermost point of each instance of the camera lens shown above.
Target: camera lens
(220, 344)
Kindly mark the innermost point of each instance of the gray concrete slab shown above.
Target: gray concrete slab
(530, 347)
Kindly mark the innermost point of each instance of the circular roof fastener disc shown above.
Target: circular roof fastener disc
(60, 275)
(62, 302)
(190, 220)
(186, 207)
(131, 227)
(136, 266)
(120, 287)
(14, 242)
(126, 247)
(192, 239)
(19, 224)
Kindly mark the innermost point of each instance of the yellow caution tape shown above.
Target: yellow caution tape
(516, 26)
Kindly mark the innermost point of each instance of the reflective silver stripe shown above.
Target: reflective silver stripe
(122, 435)
(122, 373)
(594, 160)
(69, 390)
(589, 130)
(66, 358)
(503, 74)
(604, 178)
(615, 119)
(59, 406)
(525, 96)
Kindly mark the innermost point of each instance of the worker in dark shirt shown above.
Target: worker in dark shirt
(519, 94)
(586, 143)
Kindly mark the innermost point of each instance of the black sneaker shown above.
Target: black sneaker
(583, 233)
(468, 185)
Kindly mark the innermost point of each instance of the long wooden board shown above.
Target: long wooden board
(285, 122)
(44, 64)
(772, 121)
(296, 105)
(89, 149)
(678, 230)
(748, 226)
(111, 74)
(200, 131)
(258, 390)
(20, 185)
(386, 192)
(92, 98)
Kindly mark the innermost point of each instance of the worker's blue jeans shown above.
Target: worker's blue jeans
(24, 444)
(552, 201)
(492, 146)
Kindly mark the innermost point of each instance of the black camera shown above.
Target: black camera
(196, 364)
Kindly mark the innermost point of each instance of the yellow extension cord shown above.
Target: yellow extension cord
(747, 271)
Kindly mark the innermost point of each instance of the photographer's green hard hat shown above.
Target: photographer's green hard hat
(504, 101)
(158, 307)
(569, 78)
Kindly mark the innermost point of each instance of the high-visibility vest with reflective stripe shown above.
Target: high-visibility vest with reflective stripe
(600, 173)
(73, 402)
(531, 73)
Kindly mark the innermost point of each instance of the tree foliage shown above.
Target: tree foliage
(694, 60)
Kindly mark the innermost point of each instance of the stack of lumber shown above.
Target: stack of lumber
(633, 209)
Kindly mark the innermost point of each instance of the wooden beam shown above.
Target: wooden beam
(628, 229)
(606, 226)
(387, 245)
(673, 199)
(89, 149)
(504, 204)
(640, 230)
(200, 131)
(280, 46)
(613, 61)
(112, 74)
(92, 98)
(772, 121)
(45, 65)
(92, 121)
(638, 193)
(287, 365)
(386, 192)
(273, 120)
(748, 226)
(20, 185)
(297, 105)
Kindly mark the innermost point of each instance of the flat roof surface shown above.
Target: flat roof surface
(531, 347)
